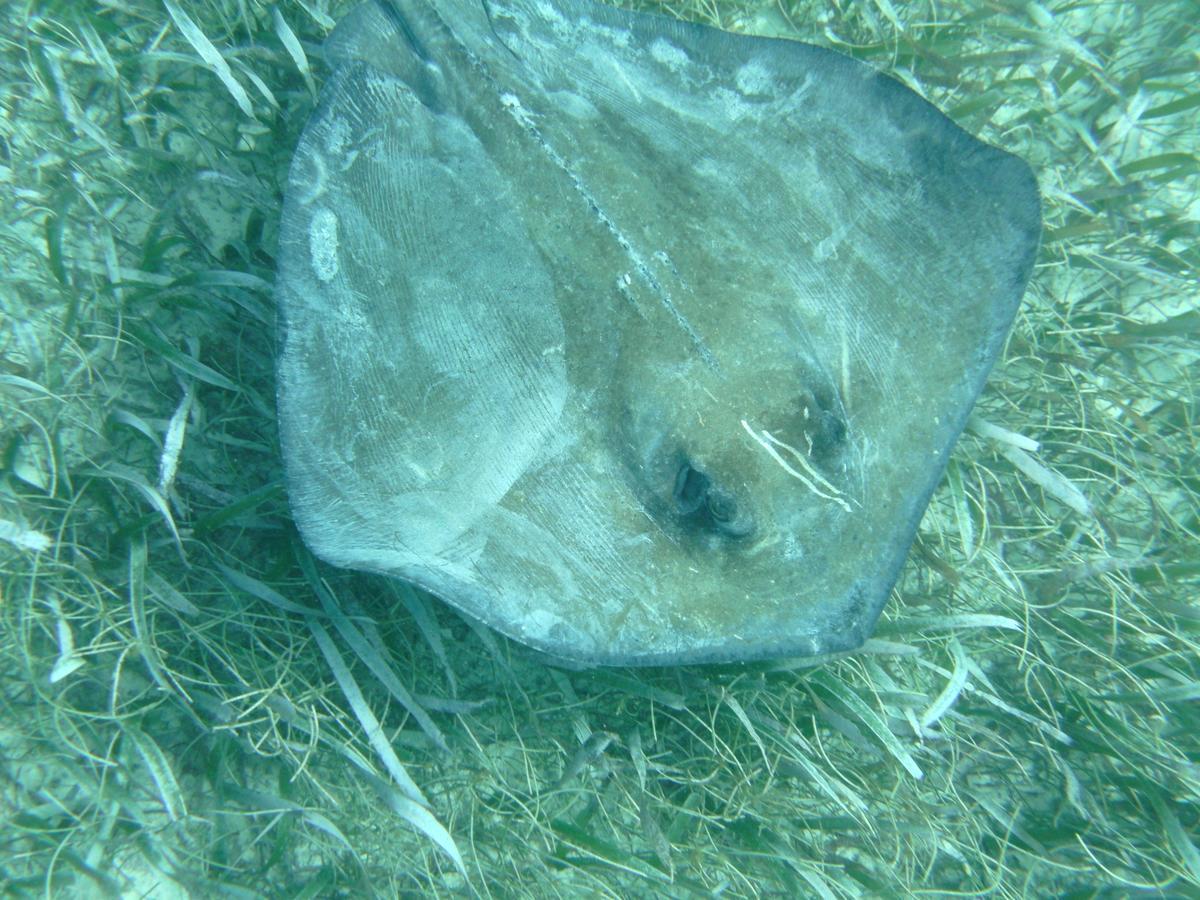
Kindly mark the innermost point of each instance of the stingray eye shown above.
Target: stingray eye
(829, 433)
(691, 488)
(824, 427)
(722, 508)
(706, 507)
(725, 516)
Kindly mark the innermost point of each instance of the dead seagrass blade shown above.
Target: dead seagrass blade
(639, 341)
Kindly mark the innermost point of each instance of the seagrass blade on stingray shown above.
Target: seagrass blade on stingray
(639, 341)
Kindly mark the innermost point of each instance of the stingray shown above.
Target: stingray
(638, 341)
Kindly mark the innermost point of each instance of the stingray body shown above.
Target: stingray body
(639, 341)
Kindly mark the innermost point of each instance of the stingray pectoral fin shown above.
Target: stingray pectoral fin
(421, 347)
